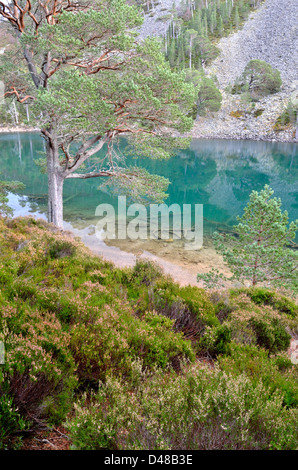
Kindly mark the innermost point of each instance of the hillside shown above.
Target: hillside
(129, 360)
(270, 35)
(157, 21)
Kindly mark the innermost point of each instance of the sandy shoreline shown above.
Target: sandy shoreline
(196, 133)
(17, 129)
(182, 265)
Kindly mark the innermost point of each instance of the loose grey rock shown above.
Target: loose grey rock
(270, 34)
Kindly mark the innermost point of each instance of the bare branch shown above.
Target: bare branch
(17, 94)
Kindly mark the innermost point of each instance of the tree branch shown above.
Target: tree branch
(84, 176)
(17, 94)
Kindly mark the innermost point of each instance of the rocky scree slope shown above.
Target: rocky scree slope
(156, 22)
(270, 34)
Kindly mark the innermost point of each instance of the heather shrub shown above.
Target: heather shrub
(73, 323)
(189, 306)
(262, 296)
(12, 424)
(270, 334)
(250, 323)
(202, 409)
(145, 272)
(60, 248)
(277, 372)
(38, 363)
(115, 338)
(215, 341)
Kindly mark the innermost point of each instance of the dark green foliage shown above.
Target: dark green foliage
(215, 341)
(11, 424)
(209, 97)
(258, 112)
(208, 22)
(223, 338)
(259, 79)
(271, 336)
(259, 251)
(191, 51)
(172, 300)
(129, 347)
(288, 116)
(252, 317)
(146, 273)
(266, 297)
(60, 249)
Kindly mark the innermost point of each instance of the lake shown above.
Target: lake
(219, 174)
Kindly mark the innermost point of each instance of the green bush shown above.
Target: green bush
(271, 335)
(288, 116)
(209, 97)
(190, 307)
(259, 79)
(201, 409)
(70, 320)
(261, 296)
(196, 300)
(38, 363)
(258, 324)
(60, 248)
(145, 272)
(215, 341)
(114, 339)
(277, 372)
(12, 424)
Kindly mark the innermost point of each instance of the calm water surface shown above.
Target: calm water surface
(217, 173)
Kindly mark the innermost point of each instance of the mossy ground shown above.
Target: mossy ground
(94, 348)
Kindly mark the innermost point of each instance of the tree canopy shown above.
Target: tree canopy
(209, 96)
(259, 79)
(88, 81)
(259, 252)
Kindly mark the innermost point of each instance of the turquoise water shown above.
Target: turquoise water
(217, 173)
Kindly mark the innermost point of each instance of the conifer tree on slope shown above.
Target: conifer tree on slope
(88, 81)
(259, 252)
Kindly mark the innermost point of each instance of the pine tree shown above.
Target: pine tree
(172, 52)
(259, 252)
(209, 97)
(236, 21)
(259, 79)
(220, 27)
(88, 82)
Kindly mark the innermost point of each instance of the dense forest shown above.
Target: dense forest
(191, 38)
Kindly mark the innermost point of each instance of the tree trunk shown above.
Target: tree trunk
(55, 199)
(55, 184)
